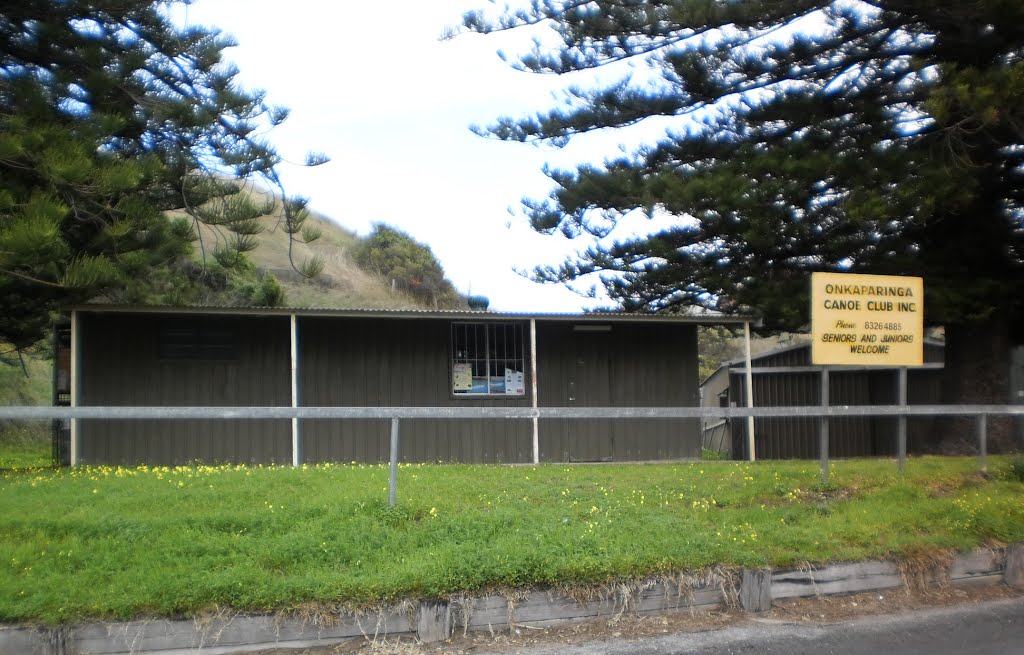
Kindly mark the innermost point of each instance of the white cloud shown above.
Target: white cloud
(373, 86)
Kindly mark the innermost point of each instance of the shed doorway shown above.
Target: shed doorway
(590, 386)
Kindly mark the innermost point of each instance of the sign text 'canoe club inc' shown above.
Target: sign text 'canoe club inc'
(867, 320)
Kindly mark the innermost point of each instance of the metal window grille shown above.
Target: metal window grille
(488, 359)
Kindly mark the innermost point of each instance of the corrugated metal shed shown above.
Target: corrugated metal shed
(238, 357)
(786, 377)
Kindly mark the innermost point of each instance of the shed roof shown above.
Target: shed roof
(704, 318)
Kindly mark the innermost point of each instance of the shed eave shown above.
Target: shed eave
(413, 314)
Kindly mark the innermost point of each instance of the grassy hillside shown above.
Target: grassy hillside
(25, 382)
(342, 284)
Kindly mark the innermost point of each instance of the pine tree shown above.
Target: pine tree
(111, 116)
(869, 137)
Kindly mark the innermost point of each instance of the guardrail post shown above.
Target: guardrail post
(74, 425)
(823, 428)
(749, 379)
(393, 478)
(901, 431)
(296, 436)
(983, 442)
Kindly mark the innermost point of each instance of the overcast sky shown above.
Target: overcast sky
(373, 87)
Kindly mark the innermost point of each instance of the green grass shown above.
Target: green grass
(28, 385)
(109, 542)
(25, 444)
(707, 454)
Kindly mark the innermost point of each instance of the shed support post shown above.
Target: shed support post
(901, 422)
(393, 477)
(983, 443)
(533, 389)
(750, 392)
(76, 337)
(296, 437)
(823, 428)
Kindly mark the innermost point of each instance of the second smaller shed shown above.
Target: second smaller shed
(785, 377)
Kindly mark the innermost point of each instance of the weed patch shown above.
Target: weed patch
(922, 568)
(1014, 469)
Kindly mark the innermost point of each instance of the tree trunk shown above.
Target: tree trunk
(976, 372)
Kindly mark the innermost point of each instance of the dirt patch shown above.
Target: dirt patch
(833, 609)
(823, 610)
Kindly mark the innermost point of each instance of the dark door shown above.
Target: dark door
(591, 440)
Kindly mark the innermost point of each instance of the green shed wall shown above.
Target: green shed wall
(120, 365)
(376, 362)
(381, 362)
(798, 437)
(632, 365)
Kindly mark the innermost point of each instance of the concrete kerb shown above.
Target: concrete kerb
(435, 620)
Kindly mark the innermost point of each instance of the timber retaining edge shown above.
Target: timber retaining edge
(436, 620)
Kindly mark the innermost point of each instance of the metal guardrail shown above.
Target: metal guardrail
(395, 414)
(161, 413)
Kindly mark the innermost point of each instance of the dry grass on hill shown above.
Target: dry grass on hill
(342, 283)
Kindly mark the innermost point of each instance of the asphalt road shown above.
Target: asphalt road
(992, 628)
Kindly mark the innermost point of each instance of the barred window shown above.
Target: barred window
(488, 359)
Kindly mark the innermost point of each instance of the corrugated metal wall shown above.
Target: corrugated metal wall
(632, 365)
(924, 387)
(1017, 389)
(402, 363)
(121, 366)
(378, 362)
(797, 438)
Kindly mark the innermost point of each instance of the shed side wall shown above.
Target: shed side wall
(121, 367)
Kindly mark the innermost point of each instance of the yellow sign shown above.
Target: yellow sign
(867, 320)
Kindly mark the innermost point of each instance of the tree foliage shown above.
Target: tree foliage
(412, 266)
(875, 137)
(716, 345)
(111, 116)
